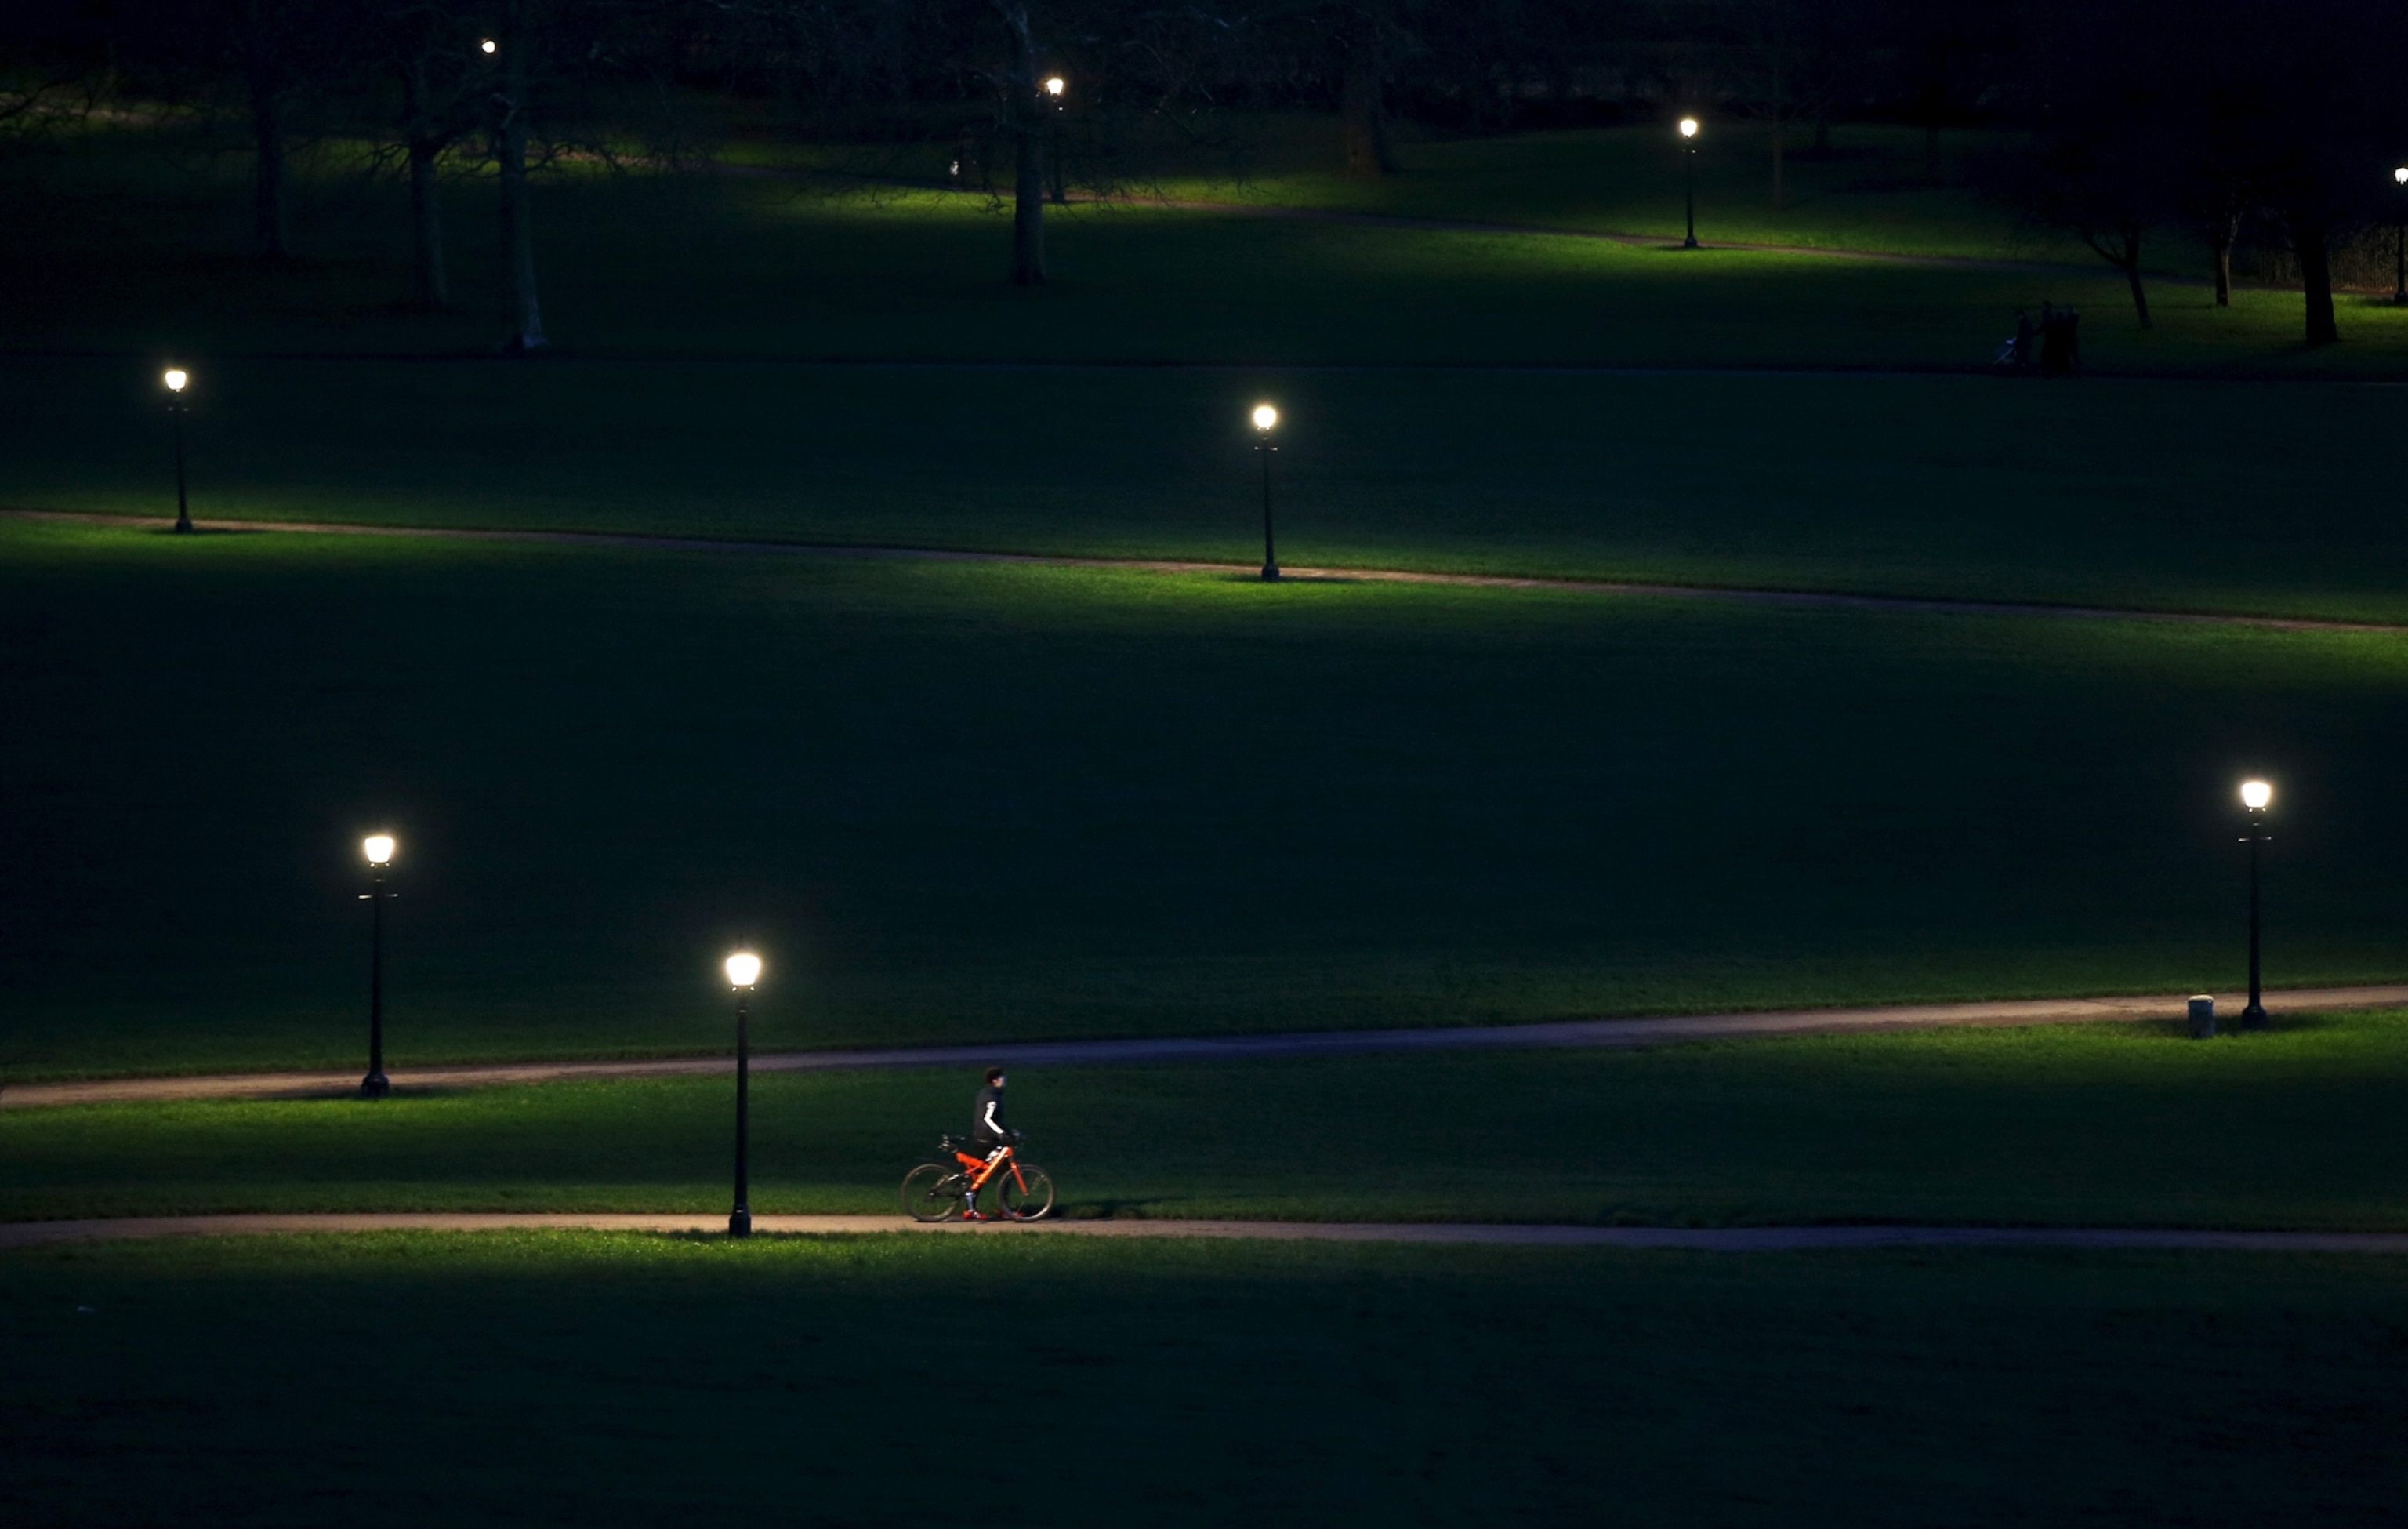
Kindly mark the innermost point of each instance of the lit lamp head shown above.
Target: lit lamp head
(175, 378)
(377, 847)
(1265, 418)
(488, 46)
(743, 969)
(1689, 128)
(2399, 176)
(2254, 794)
(1053, 85)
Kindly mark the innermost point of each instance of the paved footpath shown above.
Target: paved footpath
(1800, 598)
(1610, 1034)
(1753, 1239)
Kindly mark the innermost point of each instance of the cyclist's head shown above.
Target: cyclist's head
(994, 1076)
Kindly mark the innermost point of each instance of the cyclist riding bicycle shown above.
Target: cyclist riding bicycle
(988, 1132)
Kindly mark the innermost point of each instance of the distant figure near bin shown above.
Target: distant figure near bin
(2060, 340)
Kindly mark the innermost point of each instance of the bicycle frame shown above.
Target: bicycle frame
(983, 1169)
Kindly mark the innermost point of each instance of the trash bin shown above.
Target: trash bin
(2202, 1018)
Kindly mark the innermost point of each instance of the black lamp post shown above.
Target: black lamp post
(2399, 244)
(177, 379)
(1055, 86)
(2256, 796)
(1690, 144)
(1265, 421)
(377, 847)
(743, 971)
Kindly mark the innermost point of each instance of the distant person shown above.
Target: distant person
(2054, 360)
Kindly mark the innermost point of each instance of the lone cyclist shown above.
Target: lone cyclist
(988, 1132)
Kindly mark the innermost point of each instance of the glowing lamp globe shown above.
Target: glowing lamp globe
(1688, 127)
(743, 969)
(176, 377)
(1264, 416)
(2399, 176)
(487, 46)
(1054, 86)
(377, 847)
(2254, 794)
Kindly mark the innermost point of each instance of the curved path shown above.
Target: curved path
(1804, 598)
(1612, 1034)
(1751, 1239)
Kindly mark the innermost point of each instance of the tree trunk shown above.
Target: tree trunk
(523, 315)
(268, 224)
(2223, 250)
(2131, 264)
(2316, 273)
(425, 210)
(1028, 212)
(1367, 154)
(1780, 132)
(1026, 117)
(427, 225)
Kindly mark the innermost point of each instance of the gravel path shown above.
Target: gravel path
(1756, 1239)
(1594, 1033)
(1806, 599)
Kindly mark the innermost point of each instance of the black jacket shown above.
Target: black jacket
(987, 1118)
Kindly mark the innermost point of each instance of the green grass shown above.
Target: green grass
(1869, 192)
(612, 1380)
(2272, 498)
(967, 802)
(2100, 1125)
(132, 259)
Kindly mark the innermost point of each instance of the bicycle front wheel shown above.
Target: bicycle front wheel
(1025, 1194)
(932, 1192)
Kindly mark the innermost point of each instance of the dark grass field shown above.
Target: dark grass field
(2099, 1125)
(614, 1379)
(131, 255)
(963, 803)
(2268, 498)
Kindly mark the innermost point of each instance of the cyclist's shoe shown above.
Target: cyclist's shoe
(976, 1216)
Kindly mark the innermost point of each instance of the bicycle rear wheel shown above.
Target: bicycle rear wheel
(932, 1192)
(1027, 1197)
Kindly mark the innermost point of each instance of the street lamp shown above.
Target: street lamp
(177, 379)
(487, 46)
(2256, 796)
(377, 847)
(1055, 86)
(2399, 244)
(1690, 144)
(743, 971)
(1265, 421)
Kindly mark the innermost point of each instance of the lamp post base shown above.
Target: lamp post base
(375, 1086)
(1689, 244)
(1270, 573)
(184, 528)
(2253, 1016)
(740, 1224)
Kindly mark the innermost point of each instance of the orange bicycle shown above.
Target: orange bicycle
(941, 1190)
